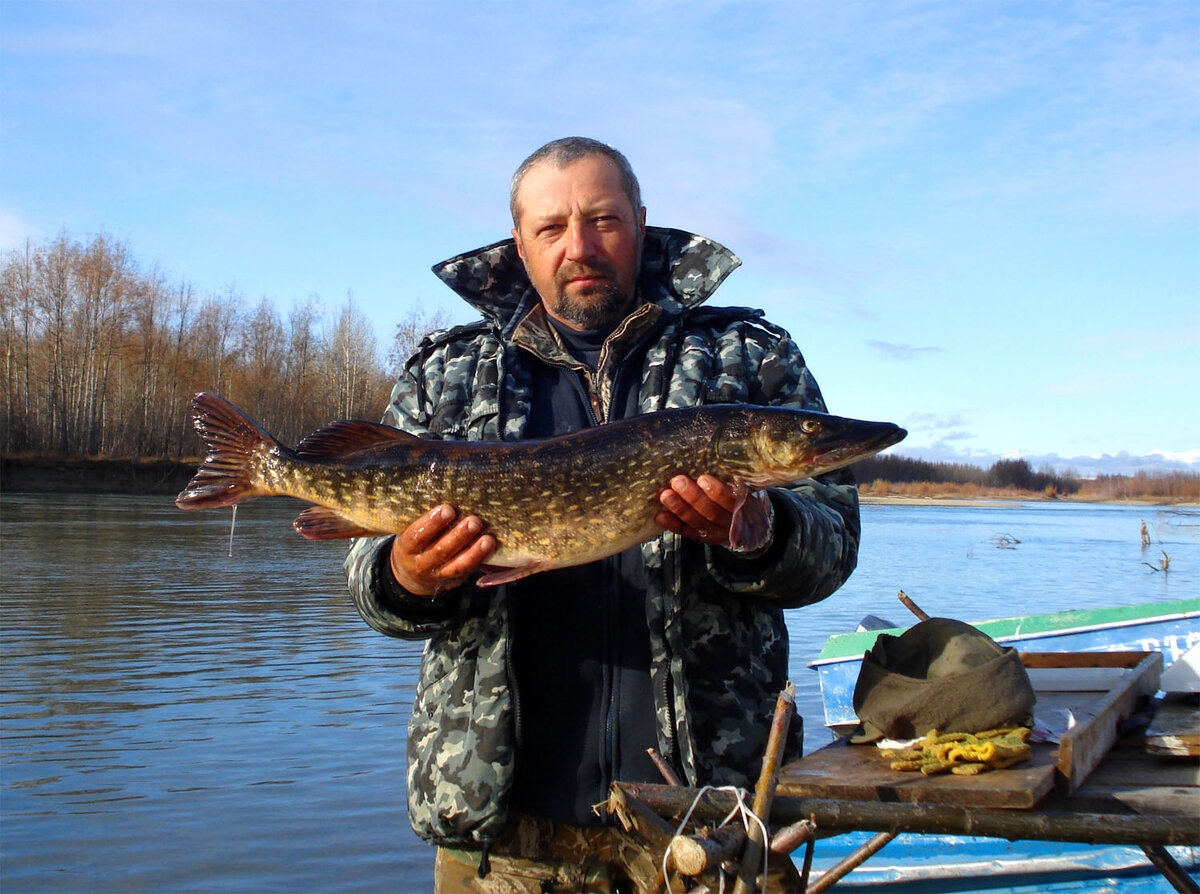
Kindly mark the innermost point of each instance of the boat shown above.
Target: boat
(1171, 627)
(928, 863)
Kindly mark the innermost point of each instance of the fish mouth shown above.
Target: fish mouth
(841, 448)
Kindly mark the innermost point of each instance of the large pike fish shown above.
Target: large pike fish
(550, 503)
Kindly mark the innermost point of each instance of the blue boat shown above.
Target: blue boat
(916, 864)
(1168, 627)
(924, 864)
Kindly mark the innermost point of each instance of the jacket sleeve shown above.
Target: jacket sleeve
(383, 603)
(817, 527)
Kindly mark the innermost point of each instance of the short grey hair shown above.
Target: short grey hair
(561, 153)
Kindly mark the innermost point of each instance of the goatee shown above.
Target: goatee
(594, 307)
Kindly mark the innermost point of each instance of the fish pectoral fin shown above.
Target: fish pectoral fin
(347, 436)
(750, 527)
(499, 575)
(319, 523)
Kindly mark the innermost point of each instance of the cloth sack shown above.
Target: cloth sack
(939, 674)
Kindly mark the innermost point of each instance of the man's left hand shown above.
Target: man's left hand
(700, 509)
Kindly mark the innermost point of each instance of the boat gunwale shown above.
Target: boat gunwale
(857, 655)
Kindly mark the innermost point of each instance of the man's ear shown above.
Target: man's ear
(517, 239)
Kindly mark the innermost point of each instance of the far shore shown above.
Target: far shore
(999, 502)
(79, 475)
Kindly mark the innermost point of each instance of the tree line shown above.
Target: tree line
(884, 475)
(101, 357)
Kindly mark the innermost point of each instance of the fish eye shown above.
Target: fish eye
(808, 426)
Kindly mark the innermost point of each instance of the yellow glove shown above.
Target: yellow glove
(965, 754)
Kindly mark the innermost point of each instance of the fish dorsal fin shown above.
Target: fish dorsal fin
(347, 436)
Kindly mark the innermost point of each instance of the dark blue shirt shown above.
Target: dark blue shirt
(581, 647)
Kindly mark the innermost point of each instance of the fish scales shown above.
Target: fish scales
(549, 503)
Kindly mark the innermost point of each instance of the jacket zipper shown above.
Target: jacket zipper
(513, 688)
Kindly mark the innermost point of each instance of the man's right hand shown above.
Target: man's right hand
(439, 551)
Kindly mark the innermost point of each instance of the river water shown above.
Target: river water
(176, 718)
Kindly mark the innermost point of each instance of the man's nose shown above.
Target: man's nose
(580, 241)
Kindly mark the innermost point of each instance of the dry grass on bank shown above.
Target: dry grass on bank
(1168, 489)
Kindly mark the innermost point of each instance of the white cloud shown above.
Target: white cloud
(894, 351)
(14, 230)
(1083, 465)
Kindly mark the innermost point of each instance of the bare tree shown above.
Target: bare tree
(350, 364)
(413, 327)
(99, 356)
(17, 322)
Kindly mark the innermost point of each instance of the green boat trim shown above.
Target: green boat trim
(843, 646)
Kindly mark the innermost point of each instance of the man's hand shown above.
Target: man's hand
(437, 552)
(704, 509)
(700, 509)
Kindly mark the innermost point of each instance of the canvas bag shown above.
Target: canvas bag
(939, 674)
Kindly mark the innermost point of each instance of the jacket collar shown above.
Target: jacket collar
(679, 270)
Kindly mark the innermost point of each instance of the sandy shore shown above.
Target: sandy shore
(1016, 500)
(941, 501)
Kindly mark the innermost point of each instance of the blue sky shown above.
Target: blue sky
(977, 219)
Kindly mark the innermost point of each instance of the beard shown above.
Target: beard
(593, 306)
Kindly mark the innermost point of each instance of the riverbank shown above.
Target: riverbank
(51, 475)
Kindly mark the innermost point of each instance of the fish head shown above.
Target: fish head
(790, 445)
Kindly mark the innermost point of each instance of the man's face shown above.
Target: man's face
(581, 240)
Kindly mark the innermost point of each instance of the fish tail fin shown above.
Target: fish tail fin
(226, 477)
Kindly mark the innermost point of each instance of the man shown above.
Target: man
(534, 696)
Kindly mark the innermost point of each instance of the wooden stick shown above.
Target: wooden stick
(663, 767)
(990, 822)
(788, 839)
(806, 869)
(851, 862)
(638, 819)
(694, 854)
(912, 606)
(1170, 869)
(764, 791)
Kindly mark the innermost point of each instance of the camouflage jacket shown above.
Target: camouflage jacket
(718, 641)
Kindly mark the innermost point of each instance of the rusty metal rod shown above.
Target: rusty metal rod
(1170, 869)
(850, 862)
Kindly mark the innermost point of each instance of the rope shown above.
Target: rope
(747, 814)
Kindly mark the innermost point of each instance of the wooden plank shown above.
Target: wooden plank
(1083, 747)
(1149, 800)
(861, 773)
(1077, 679)
(1175, 730)
(1148, 771)
(1082, 659)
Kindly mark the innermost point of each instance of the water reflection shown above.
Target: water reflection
(174, 717)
